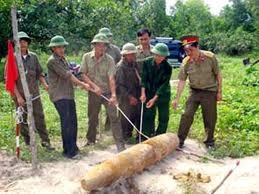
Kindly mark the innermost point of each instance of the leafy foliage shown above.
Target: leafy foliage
(233, 32)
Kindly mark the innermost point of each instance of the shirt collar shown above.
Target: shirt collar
(140, 48)
(92, 55)
(201, 58)
(58, 57)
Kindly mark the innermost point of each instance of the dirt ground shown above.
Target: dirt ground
(63, 177)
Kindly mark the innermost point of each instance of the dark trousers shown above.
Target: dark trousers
(149, 118)
(94, 106)
(208, 102)
(39, 120)
(67, 113)
(133, 113)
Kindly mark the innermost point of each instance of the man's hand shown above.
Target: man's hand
(98, 91)
(85, 86)
(150, 103)
(143, 98)
(20, 101)
(219, 96)
(113, 100)
(175, 104)
(133, 101)
(46, 87)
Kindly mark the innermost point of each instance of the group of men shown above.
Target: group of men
(134, 78)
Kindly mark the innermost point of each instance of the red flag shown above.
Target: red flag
(11, 72)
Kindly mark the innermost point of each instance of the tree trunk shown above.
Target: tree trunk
(30, 118)
(130, 161)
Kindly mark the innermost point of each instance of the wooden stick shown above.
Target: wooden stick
(225, 178)
(30, 118)
(198, 155)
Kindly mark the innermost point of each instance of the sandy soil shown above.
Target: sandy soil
(64, 176)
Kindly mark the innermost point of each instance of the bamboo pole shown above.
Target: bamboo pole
(30, 118)
(130, 161)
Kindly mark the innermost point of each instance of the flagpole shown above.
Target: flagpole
(30, 118)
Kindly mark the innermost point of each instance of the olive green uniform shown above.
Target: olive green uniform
(203, 83)
(99, 71)
(128, 85)
(33, 71)
(156, 81)
(114, 52)
(141, 57)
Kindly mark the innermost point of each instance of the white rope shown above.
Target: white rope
(34, 98)
(118, 108)
(141, 120)
(19, 115)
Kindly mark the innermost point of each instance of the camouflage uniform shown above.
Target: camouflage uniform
(33, 71)
(202, 77)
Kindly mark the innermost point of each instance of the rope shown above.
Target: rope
(19, 115)
(118, 108)
(141, 120)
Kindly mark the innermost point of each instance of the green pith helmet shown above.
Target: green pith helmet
(58, 41)
(23, 35)
(106, 31)
(128, 48)
(161, 49)
(100, 38)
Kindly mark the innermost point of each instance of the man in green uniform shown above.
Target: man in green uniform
(114, 52)
(144, 47)
(98, 70)
(128, 89)
(156, 90)
(61, 92)
(201, 67)
(34, 74)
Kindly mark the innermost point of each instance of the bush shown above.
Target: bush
(236, 43)
(2, 67)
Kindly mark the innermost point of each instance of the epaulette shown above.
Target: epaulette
(185, 60)
(208, 54)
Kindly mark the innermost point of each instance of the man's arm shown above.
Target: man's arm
(180, 88)
(43, 82)
(94, 88)
(113, 99)
(219, 82)
(20, 99)
(79, 83)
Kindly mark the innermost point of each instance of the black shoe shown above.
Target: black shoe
(48, 146)
(209, 145)
(181, 145)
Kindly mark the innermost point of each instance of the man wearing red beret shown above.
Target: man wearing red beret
(202, 70)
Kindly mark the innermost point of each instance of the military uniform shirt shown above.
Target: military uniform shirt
(156, 79)
(60, 85)
(141, 57)
(114, 52)
(201, 73)
(33, 71)
(99, 70)
(127, 81)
